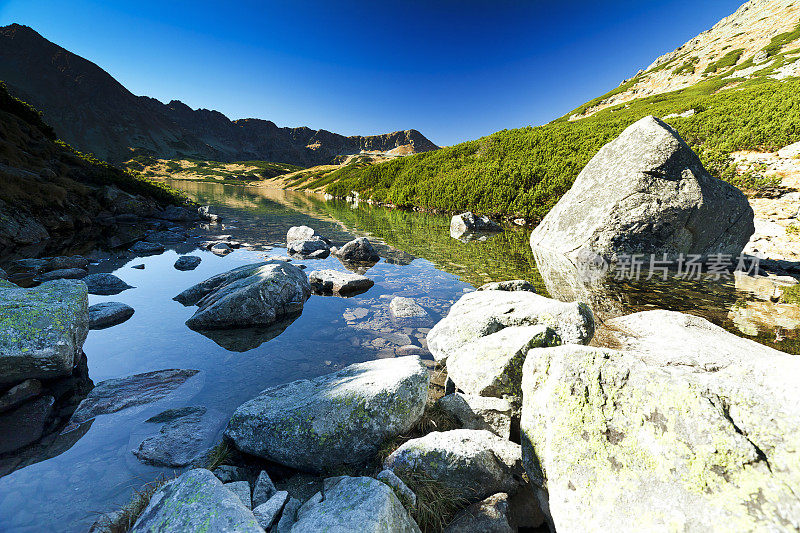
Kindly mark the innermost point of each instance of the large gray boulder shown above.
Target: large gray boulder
(42, 330)
(252, 295)
(315, 248)
(196, 501)
(349, 504)
(340, 418)
(300, 233)
(472, 463)
(492, 365)
(482, 313)
(690, 429)
(646, 192)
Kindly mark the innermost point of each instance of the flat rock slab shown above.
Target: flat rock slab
(646, 192)
(677, 432)
(42, 330)
(339, 418)
(66, 262)
(187, 262)
(105, 284)
(115, 395)
(196, 501)
(351, 501)
(475, 464)
(252, 295)
(482, 313)
(333, 281)
(107, 314)
(183, 437)
(407, 312)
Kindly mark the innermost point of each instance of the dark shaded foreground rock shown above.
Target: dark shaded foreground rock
(187, 262)
(147, 248)
(691, 428)
(24, 425)
(66, 262)
(196, 501)
(339, 418)
(482, 313)
(358, 250)
(333, 281)
(107, 314)
(354, 503)
(252, 295)
(646, 192)
(105, 284)
(42, 330)
(18, 394)
(115, 395)
(246, 339)
(65, 273)
(487, 516)
(185, 434)
(472, 463)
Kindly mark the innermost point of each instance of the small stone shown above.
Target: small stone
(478, 412)
(268, 512)
(66, 262)
(67, 273)
(228, 473)
(330, 281)
(105, 284)
(289, 516)
(147, 248)
(263, 490)
(512, 285)
(487, 516)
(406, 495)
(108, 314)
(187, 262)
(138, 267)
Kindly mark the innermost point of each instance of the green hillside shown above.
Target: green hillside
(524, 172)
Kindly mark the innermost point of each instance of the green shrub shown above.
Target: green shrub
(728, 60)
(779, 41)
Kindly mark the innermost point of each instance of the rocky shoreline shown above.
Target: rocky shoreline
(534, 413)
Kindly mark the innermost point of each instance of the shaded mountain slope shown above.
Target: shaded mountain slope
(90, 110)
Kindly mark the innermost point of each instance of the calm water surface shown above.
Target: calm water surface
(419, 260)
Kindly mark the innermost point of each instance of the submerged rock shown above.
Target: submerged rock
(252, 295)
(187, 262)
(196, 501)
(333, 281)
(182, 439)
(406, 312)
(689, 428)
(511, 285)
(646, 192)
(335, 419)
(42, 330)
(108, 314)
(472, 463)
(482, 313)
(354, 503)
(117, 394)
(105, 284)
(358, 250)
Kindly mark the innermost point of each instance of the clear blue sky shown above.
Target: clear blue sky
(455, 70)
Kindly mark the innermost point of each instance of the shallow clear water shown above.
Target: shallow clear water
(419, 259)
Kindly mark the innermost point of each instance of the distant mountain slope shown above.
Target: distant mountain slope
(729, 104)
(747, 41)
(93, 112)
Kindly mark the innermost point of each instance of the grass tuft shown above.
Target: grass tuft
(123, 521)
(437, 503)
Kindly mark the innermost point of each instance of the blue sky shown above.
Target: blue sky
(455, 70)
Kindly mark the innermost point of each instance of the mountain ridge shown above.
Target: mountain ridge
(95, 113)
